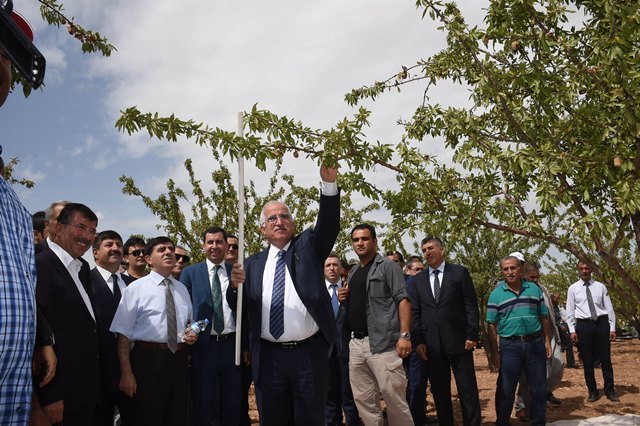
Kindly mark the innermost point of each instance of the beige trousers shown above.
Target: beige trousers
(372, 375)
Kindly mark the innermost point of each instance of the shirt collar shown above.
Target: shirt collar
(106, 274)
(273, 250)
(439, 268)
(158, 279)
(210, 265)
(62, 254)
(329, 283)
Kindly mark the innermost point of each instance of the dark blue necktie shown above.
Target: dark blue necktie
(334, 300)
(276, 314)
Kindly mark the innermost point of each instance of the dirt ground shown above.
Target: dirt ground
(572, 390)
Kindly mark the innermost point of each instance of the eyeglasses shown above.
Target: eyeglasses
(184, 257)
(136, 253)
(282, 216)
(233, 247)
(82, 228)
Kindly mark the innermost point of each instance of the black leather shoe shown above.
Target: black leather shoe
(593, 397)
(613, 396)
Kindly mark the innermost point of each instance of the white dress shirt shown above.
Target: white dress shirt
(227, 313)
(142, 314)
(73, 266)
(329, 284)
(578, 305)
(432, 277)
(107, 276)
(298, 323)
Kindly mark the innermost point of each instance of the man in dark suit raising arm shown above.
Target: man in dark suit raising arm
(446, 327)
(291, 322)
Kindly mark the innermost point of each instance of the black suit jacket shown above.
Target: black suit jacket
(305, 262)
(105, 305)
(77, 378)
(446, 325)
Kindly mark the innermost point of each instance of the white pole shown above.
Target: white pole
(240, 132)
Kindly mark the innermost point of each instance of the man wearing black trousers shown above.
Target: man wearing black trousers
(446, 331)
(592, 323)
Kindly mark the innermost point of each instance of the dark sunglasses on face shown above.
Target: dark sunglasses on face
(184, 257)
(233, 246)
(136, 253)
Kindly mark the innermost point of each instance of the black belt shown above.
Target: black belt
(155, 345)
(222, 337)
(524, 338)
(292, 344)
(359, 335)
(590, 320)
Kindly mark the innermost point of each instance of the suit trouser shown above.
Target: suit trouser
(293, 382)
(595, 342)
(371, 374)
(440, 366)
(217, 383)
(339, 395)
(417, 372)
(162, 381)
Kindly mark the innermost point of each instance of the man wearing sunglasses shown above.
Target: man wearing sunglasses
(134, 257)
(182, 261)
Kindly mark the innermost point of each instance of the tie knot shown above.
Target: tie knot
(166, 282)
(114, 278)
(587, 283)
(216, 268)
(436, 272)
(281, 253)
(334, 285)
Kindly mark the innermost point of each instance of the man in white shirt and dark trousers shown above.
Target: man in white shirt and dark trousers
(592, 322)
(150, 315)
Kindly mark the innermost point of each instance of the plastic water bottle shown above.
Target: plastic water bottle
(196, 327)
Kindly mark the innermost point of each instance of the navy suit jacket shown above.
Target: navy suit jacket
(105, 306)
(196, 279)
(305, 262)
(446, 325)
(75, 331)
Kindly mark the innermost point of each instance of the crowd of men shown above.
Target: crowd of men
(324, 341)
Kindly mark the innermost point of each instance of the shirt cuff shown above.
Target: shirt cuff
(329, 188)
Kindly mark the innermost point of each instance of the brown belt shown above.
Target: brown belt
(158, 346)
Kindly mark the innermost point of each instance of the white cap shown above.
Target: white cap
(518, 256)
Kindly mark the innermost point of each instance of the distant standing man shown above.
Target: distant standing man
(152, 311)
(135, 258)
(107, 285)
(215, 377)
(379, 322)
(232, 253)
(592, 323)
(446, 331)
(516, 312)
(339, 395)
(182, 261)
(291, 322)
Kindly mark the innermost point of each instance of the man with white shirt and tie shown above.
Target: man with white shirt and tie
(339, 395)
(592, 323)
(217, 381)
(291, 322)
(151, 313)
(107, 285)
(63, 292)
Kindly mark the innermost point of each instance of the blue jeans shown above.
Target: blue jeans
(517, 356)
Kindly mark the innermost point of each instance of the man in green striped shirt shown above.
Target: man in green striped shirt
(517, 314)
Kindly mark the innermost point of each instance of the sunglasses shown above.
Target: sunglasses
(136, 253)
(184, 257)
(233, 246)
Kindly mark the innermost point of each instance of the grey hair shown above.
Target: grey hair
(263, 216)
(504, 259)
(48, 212)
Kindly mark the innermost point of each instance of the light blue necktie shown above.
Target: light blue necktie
(334, 300)
(276, 314)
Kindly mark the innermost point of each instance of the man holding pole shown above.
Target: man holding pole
(290, 317)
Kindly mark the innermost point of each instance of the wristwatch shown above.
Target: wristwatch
(406, 335)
